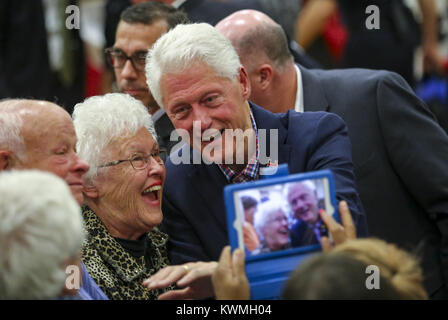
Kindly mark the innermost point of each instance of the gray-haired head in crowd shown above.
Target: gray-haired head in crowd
(195, 74)
(11, 124)
(184, 46)
(302, 198)
(100, 120)
(123, 193)
(40, 234)
(39, 135)
(271, 223)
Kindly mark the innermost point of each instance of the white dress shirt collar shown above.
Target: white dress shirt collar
(298, 106)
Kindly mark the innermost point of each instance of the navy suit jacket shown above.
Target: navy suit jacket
(400, 155)
(193, 202)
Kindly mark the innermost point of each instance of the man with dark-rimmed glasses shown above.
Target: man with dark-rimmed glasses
(139, 27)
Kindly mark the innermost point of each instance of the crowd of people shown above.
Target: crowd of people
(120, 195)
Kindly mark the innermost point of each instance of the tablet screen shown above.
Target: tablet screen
(282, 216)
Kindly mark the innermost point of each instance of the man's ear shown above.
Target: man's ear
(245, 83)
(265, 74)
(90, 191)
(5, 160)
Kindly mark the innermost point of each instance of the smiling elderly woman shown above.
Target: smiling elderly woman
(122, 190)
(271, 224)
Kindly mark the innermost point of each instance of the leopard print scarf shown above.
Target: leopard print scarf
(115, 271)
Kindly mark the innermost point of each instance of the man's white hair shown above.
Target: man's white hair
(11, 124)
(306, 183)
(183, 46)
(102, 119)
(309, 184)
(40, 229)
(264, 211)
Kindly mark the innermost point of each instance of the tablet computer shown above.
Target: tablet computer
(276, 222)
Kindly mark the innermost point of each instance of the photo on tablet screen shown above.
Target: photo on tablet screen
(282, 216)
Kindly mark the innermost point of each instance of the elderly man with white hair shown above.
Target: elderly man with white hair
(37, 134)
(303, 200)
(123, 193)
(194, 73)
(40, 236)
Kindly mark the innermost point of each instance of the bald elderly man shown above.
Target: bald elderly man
(400, 153)
(40, 135)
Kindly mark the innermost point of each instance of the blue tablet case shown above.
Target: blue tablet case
(268, 272)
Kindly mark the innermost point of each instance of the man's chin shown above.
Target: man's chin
(305, 218)
(311, 220)
(208, 153)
